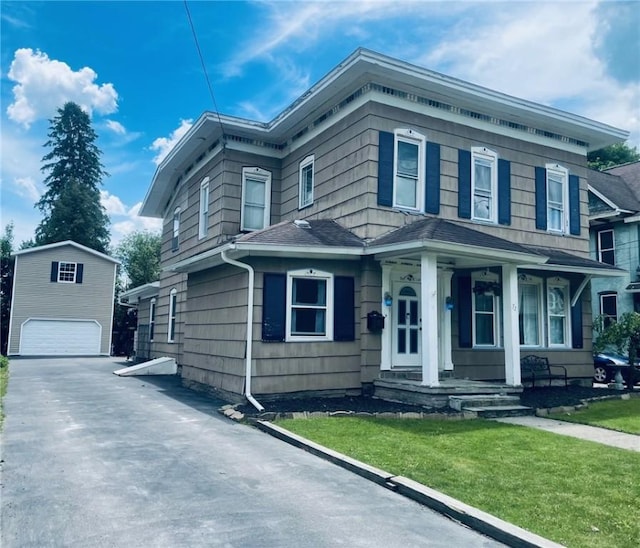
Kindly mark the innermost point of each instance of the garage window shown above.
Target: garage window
(66, 272)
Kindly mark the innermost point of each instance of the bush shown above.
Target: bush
(4, 362)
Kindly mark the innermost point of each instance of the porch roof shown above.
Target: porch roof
(567, 262)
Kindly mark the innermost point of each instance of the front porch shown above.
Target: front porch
(406, 387)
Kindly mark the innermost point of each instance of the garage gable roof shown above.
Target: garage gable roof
(67, 243)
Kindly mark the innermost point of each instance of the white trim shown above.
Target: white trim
(563, 284)
(76, 320)
(261, 176)
(152, 317)
(203, 211)
(563, 173)
(175, 229)
(489, 157)
(525, 279)
(611, 249)
(606, 200)
(75, 272)
(61, 244)
(11, 312)
(173, 304)
(306, 199)
(495, 313)
(411, 137)
(609, 294)
(310, 273)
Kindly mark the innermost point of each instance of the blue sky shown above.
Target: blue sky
(134, 67)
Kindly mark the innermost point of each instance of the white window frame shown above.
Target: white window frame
(489, 158)
(152, 318)
(602, 249)
(556, 170)
(412, 137)
(537, 282)
(67, 272)
(175, 234)
(305, 196)
(604, 296)
(495, 313)
(173, 305)
(563, 284)
(327, 307)
(203, 217)
(264, 177)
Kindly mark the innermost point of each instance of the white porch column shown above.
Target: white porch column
(386, 342)
(444, 286)
(429, 314)
(511, 329)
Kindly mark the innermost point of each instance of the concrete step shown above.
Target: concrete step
(498, 411)
(482, 400)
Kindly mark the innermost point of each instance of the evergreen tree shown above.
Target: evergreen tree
(71, 205)
(7, 263)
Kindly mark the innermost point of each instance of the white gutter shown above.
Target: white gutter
(250, 288)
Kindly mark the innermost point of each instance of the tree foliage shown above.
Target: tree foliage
(613, 155)
(622, 336)
(7, 263)
(71, 204)
(140, 256)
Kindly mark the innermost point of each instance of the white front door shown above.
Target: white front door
(406, 325)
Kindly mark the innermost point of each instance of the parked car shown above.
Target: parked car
(606, 364)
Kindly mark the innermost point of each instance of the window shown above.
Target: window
(176, 230)
(409, 170)
(256, 199)
(484, 182)
(486, 308)
(557, 198)
(306, 182)
(309, 315)
(203, 219)
(609, 308)
(152, 318)
(606, 247)
(529, 297)
(173, 301)
(66, 272)
(558, 312)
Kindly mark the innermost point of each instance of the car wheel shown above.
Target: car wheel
(600, 374)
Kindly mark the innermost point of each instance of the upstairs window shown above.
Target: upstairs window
(606, 247)
(306, 182)
(66, 272)
(309, 305)
(175, 240)
(203, 218)
(484, 183)
(409, 170)
(557, 198)
(256, 199)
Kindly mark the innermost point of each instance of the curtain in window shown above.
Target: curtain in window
(254, 204)
(482, 189)
(557, 312)
(528, 316)
(406, 191)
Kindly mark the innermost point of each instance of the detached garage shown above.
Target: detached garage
(63, 300)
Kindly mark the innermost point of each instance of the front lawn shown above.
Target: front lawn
(622, 415)
(577, 493)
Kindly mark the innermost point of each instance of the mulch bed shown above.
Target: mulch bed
(538, 398)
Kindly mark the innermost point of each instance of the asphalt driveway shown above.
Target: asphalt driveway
(90, 459)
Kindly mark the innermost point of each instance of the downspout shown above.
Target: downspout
(250, 288)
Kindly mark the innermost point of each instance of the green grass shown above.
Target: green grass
(622, 415)
(577, 493)
(4, 381)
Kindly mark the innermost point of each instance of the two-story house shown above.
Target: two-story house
(392, 220)
(614, 221)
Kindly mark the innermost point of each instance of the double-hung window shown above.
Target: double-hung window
(486, 309)
(67, 272)
(484, 183)
(256, 199)
(609, 308)
(175, 240)
(557, 198)
(203, 218)
(309, 305)
(558, 312)
(529, 311)
(306, 183)
(173, 304)
(409, 170)
(606, 247)
(152, 319)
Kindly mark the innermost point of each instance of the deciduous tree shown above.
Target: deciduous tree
(6, 284)
(140, 256)
(613, 155)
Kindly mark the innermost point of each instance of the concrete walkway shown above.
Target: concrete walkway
(591, 433)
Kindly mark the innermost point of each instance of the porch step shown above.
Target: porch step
(408, 374)
(498, 411)
(482, 400)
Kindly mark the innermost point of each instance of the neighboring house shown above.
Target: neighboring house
(391, 222)
(63, 300)
(614, 225)
(144, 299)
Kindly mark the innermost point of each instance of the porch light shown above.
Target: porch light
(388, 300)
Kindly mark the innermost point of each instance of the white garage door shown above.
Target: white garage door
(60, 338)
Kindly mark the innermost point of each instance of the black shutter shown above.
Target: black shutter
(464, 184)
(541, 198)
(385, 168)
(504, 192)
(54, 271)
(344, 319)
(463, 305)
(79, 272)
(432, 184)
(574, 205)
(576, 325)
(274, 302)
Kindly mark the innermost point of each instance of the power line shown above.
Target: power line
(204, 69)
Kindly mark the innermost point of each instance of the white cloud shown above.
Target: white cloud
(112, 204)
(132, 223)
(163, 145)
(44, 85)
(116, 127)
(28, 188)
